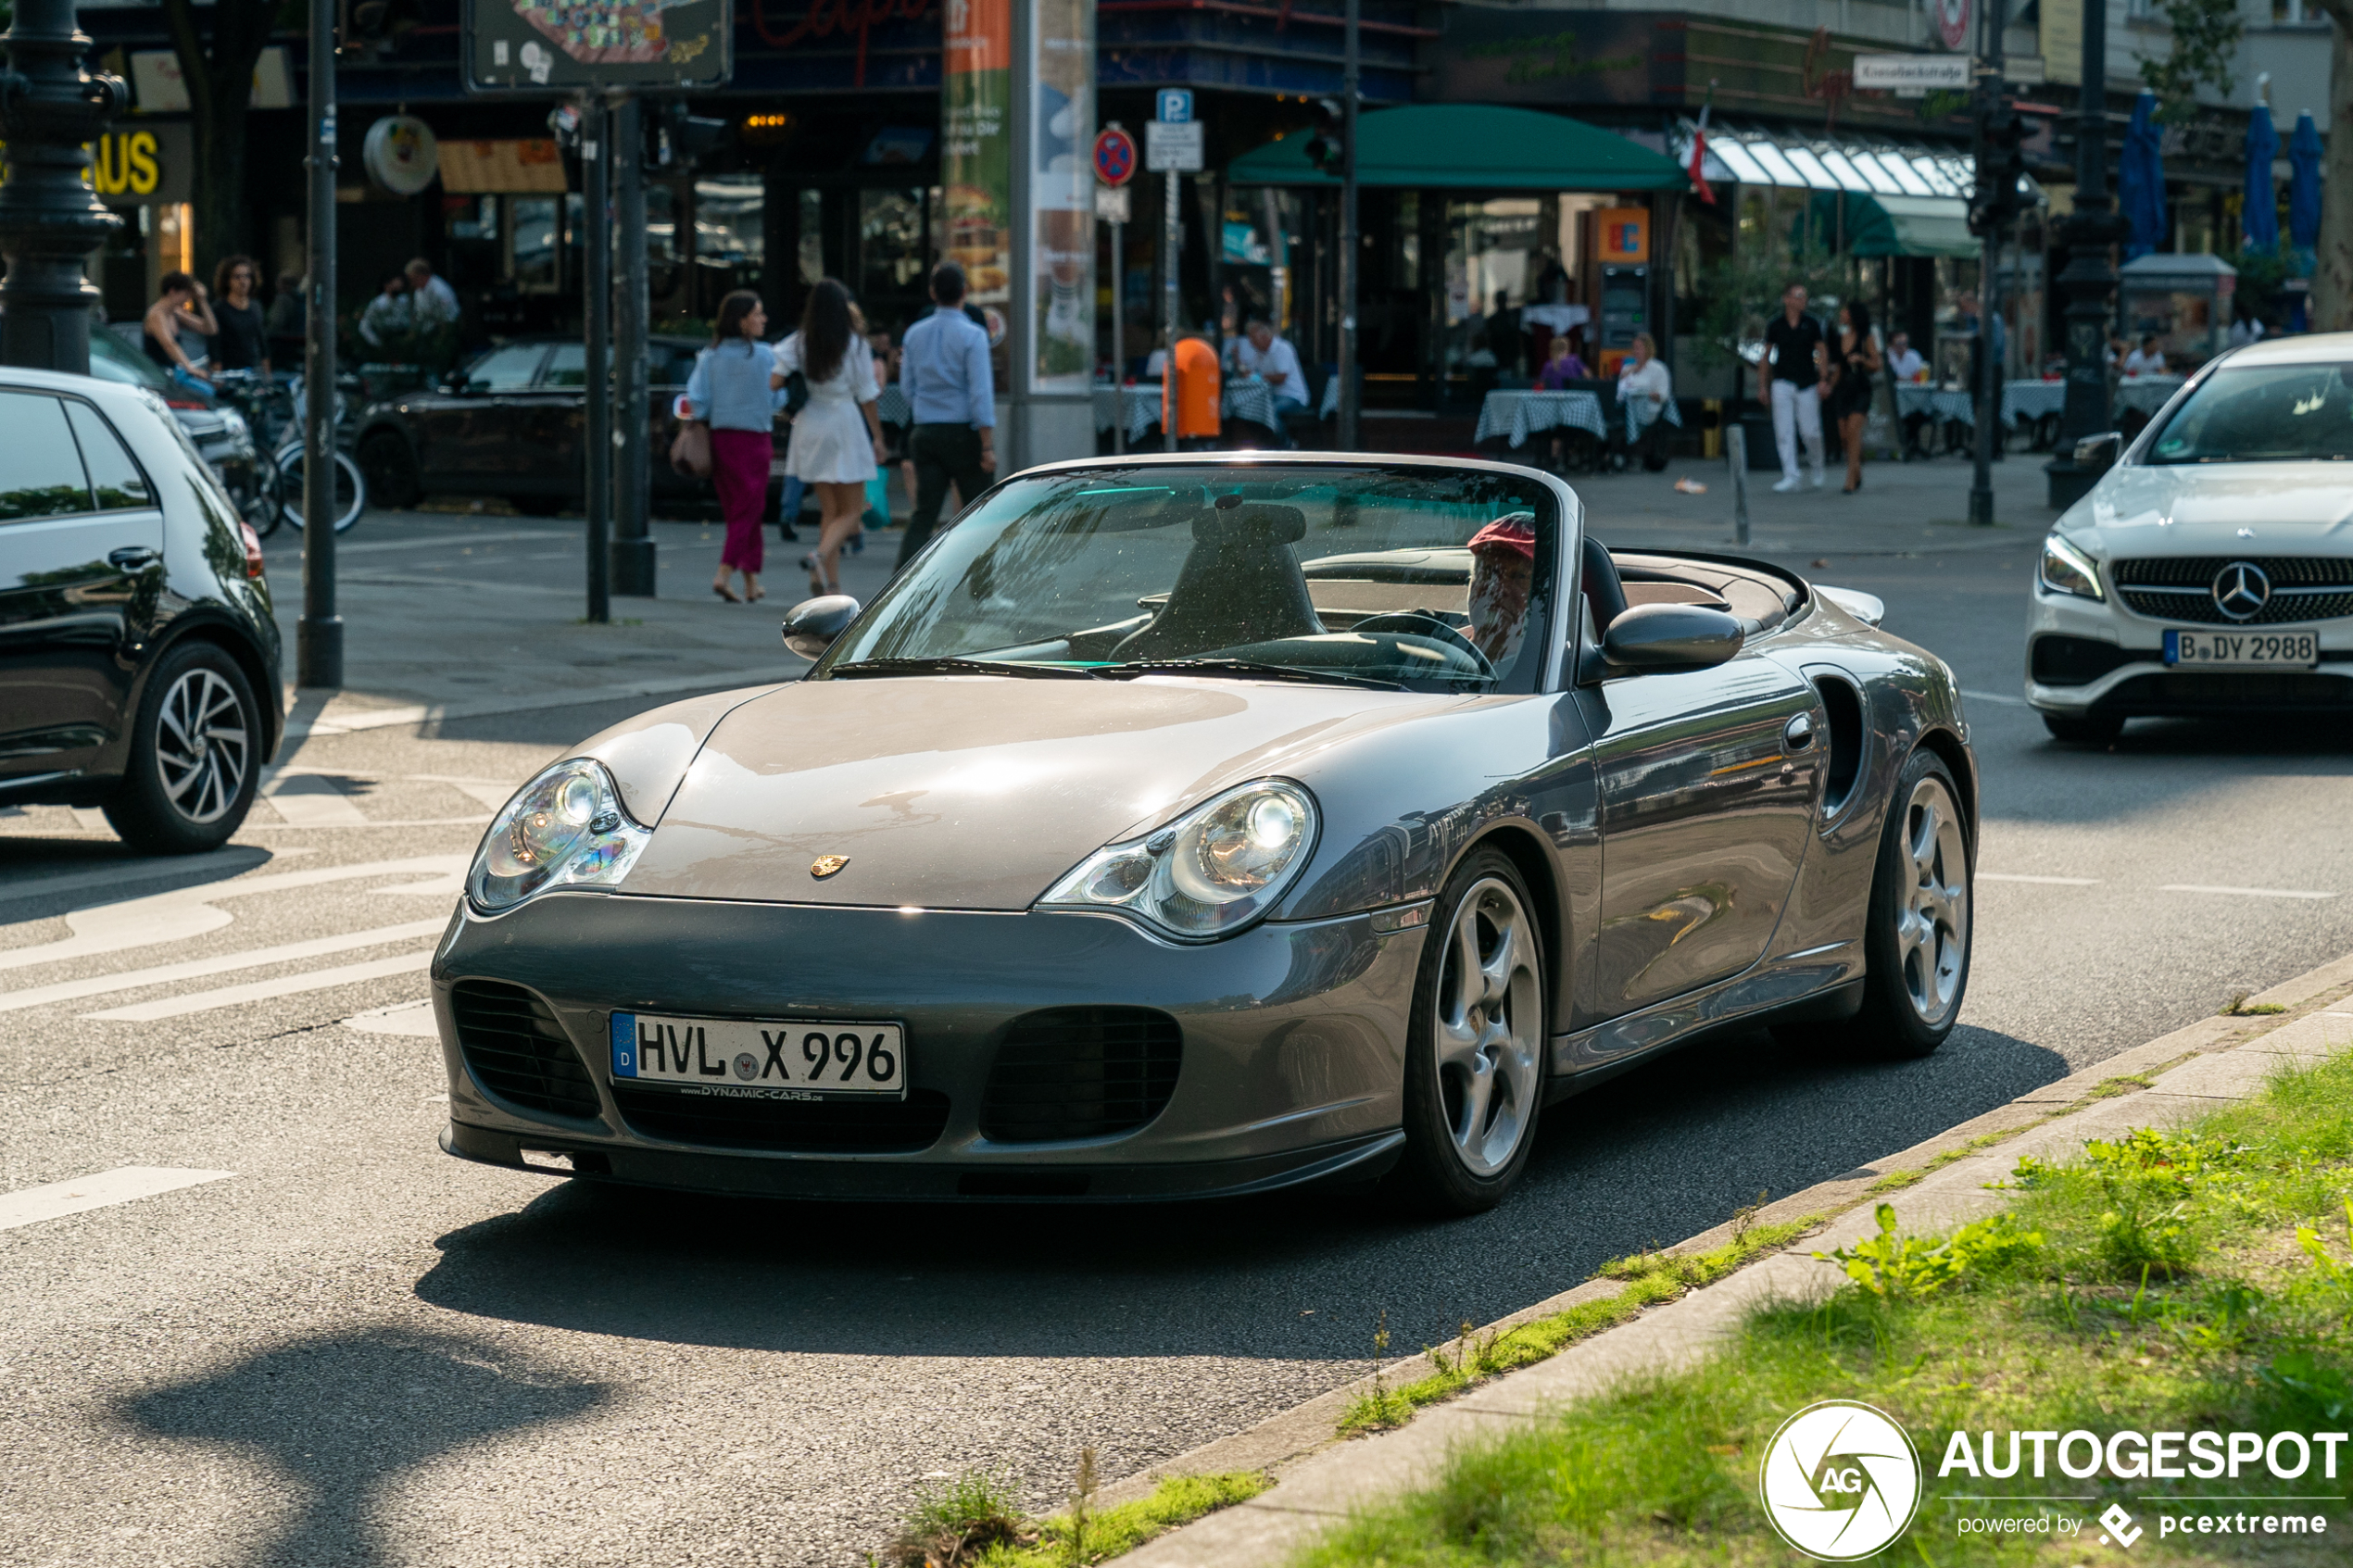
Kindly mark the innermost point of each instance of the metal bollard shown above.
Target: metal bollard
(1736, 452)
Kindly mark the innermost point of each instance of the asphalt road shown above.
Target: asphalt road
(354, 1349)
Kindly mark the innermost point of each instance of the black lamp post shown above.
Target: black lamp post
(2089, 278)
(51, 110)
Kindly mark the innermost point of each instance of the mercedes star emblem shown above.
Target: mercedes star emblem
(2241, 590)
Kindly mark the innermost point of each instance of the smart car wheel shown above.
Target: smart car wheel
(1475, 1058)
(1917, 940)
(195, 756)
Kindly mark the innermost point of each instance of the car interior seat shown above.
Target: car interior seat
(1240, 584)
(1598, 581)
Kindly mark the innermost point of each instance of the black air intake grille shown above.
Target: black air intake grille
(2078, 661)
(2135, 578)
(2229, 694)
(836, 1126)
(1081, 1072)
(517, 1051)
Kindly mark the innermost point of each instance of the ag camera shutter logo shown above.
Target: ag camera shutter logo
(1839, 1480)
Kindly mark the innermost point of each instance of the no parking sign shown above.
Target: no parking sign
(1115, 156)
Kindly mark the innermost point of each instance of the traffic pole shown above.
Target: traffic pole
(1118, 326)
(1988, 390)
(596, 164)
(633, 545)
(1172, 237)
(1349, 242)
(319, 635)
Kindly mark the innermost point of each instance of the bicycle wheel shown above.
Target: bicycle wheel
(351, 489)
(269, 508)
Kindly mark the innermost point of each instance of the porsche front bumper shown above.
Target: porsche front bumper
(1291, 1056)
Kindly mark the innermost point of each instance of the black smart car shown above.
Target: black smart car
(511, 424)
(138, 659)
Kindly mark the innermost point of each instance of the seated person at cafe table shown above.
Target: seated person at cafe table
(1261, 352)
(1644, 388)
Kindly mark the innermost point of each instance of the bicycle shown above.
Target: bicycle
(270, 405)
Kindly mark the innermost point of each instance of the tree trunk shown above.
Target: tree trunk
(219, 74)
(2331, 304)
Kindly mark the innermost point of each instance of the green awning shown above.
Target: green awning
(1471, 146)
(1895, 225)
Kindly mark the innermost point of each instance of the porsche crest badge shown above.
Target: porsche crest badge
(824, 866)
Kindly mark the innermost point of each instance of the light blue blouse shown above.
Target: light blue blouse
(729, 387)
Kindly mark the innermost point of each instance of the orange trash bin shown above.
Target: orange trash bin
(1194, 380)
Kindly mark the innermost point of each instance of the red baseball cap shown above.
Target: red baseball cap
(1510, 533)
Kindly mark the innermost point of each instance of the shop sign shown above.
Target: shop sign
(824, 18)
(1544, 58)
(1062, 195)
(543, 48)
(158, 88)
(975, 153)
(399, 153)
(528, 167)
(145, 165)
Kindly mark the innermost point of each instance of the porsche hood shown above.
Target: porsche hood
(970, 793)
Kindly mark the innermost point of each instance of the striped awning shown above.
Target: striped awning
(1915, 197)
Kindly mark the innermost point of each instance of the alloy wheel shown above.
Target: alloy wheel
(1931, 927)
(203, 749)
(1489, 1035)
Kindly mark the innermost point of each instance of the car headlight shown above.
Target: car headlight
(1210, 872)
(2067, 570)
(565, 828)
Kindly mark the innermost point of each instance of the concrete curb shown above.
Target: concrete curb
(1320, 1478)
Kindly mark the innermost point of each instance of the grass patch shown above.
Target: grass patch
(2241, 1008)
(1650, 1278)
(972, 1522)
(2198, 1279)
(1896, 1181)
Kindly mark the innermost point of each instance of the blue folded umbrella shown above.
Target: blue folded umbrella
(2304, 183)
(2260, 218)
(2140, 179)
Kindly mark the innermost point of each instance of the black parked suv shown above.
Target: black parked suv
(138, 659)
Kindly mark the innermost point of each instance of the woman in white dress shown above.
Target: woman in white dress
(837, 437)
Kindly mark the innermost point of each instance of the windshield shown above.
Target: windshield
(1417, 579)
(2262, 414)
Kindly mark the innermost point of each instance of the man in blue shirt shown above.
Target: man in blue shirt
(943, 369)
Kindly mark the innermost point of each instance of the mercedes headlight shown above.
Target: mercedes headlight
(565, 828)
(2067, 570)
(1213, 871)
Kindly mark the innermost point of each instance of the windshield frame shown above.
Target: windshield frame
(2142, 452)
(1548, 615)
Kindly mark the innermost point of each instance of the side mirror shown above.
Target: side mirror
(1671, 636)
(2100, 451)
(811, 625)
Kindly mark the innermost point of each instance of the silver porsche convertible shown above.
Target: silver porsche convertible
(1199, 826)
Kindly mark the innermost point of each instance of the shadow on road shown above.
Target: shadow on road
(1652, 1158)
(338, 1417)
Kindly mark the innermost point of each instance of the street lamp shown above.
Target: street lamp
(2089, 278)
(51, 110)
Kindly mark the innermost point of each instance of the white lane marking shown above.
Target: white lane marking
(750, 682)
(439, 541)
(2242, 892)
(401, 1018)
(1994, 698)
(2046, 881)
(111, 925)
(88, 818)
(228, 862)
(312, 800)
(265, 990)
(120, 1185)
(195, 968)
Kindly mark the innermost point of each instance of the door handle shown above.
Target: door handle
(1799, 734)
(134, 558)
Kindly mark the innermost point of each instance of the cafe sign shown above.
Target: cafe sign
(142, 165)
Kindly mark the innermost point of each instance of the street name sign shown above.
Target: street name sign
(1915, 72)
(540, 48)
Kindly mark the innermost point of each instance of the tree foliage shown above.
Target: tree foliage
(1742, 291)
(2332, 308)
(2206, 42)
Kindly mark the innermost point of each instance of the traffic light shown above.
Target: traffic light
(684, 138)
(2001, 164)
(1327, 150)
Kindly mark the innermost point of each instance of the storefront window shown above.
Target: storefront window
(813, 237)
(890, 255)
(532, 224)
(730, 236)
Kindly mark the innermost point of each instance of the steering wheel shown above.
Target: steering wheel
(1421, 624)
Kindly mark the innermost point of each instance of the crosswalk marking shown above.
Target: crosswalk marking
(221, 964)
(265, 990)
(312, 800)
(227, 863)
(121, 1184)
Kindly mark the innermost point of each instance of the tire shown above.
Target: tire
(1916, 979)
(2085, 729)
(390, 469)
(195, 756)
(1476, 1048)
(351, 488)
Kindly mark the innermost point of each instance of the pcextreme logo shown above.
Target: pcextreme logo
(1839, 1480)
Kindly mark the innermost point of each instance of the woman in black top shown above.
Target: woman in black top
(244, 340)
(1855, 362)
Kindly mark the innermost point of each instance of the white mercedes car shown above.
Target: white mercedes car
(2210, 570)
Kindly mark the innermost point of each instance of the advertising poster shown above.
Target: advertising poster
(1062, 209)
(977, 169)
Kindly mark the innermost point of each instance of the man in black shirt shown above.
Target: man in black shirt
(1789, 380)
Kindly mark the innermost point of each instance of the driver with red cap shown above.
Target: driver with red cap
(1503, 566)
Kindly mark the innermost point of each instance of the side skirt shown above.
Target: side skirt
(1819, 985)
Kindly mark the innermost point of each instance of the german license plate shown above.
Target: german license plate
(2299, 649)
(789, 1059)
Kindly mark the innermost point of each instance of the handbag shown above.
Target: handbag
(690, 452)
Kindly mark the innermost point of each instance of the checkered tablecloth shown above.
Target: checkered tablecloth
(1330, 410)
(1137, 408)
(2023, 402)
(2146, 393)
(1521, 414)
(1913, 398)
(1252, 400)
(1667, 410)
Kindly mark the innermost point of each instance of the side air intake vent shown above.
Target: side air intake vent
(1081, 1072)
(517, 1051)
